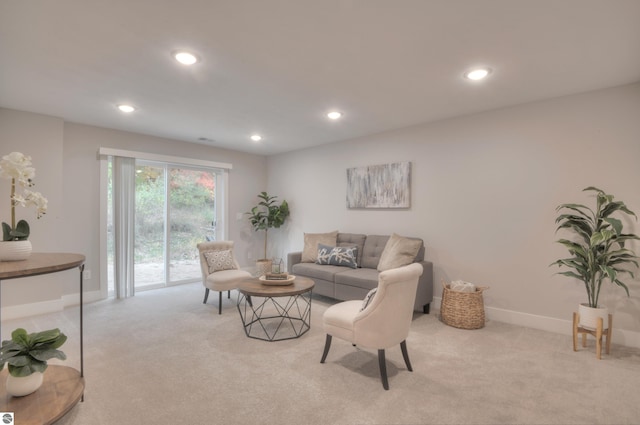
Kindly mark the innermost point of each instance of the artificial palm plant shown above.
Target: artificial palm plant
(599, 252)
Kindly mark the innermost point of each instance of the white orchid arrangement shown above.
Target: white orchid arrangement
(17, 168)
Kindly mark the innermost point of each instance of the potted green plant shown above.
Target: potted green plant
(264, 216)
(26, 356)
(598, 251)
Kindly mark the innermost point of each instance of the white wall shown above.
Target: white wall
(68, 174)
(40, 137)
(484, 192)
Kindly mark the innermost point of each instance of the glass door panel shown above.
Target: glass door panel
(150, 213)
(192, 220)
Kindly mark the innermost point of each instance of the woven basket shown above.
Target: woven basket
(464, 310)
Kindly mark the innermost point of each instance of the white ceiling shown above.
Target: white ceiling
(276, 67)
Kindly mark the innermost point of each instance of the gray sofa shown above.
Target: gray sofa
(345, 283)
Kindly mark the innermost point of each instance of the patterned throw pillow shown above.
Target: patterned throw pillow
(368, 298)
(337, 255)
(219, 260)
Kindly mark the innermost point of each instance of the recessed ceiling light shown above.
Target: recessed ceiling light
(334, 115)
(126, 108)
(185, 58)
(256, 137)
(477, 74)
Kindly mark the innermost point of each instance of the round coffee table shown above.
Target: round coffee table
(275, 312)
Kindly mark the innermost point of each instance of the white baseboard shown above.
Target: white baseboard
(549, 324)
(45, 307)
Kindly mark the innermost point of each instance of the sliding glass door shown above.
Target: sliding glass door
(175, 208)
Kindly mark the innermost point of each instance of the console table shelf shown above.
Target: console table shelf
(63, 386)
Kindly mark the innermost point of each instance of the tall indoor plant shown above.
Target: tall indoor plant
(598, 253)
(26, 356)
(266, 215)
(15, 243)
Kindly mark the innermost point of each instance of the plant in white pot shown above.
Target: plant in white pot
(26, 356)
(264, 216)
(15, 244)
(598, 251)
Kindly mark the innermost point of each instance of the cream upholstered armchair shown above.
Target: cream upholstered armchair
(220, 270)
(381, 321)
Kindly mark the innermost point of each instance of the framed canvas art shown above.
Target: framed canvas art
(379, 186)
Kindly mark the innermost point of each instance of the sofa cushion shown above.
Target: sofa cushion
(316, 271)
(399, 251)
(311, 241)
(337, 255)
(364, 278)
(353, 239)
(372, 250)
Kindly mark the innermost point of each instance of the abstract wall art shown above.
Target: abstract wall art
(379, 186)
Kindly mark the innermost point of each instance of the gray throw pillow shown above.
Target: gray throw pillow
(337, 255)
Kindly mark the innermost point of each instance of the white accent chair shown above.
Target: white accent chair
(383, 323)
(221, 280)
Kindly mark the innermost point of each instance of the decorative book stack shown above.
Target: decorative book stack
(276, 276)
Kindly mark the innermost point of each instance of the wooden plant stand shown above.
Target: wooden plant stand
(598, 333)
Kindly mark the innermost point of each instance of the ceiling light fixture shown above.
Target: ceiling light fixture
(477, 74)
(256, 137)
(126, 108)
(185, 58)
(334, 115)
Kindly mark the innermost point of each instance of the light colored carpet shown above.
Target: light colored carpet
(163, 357)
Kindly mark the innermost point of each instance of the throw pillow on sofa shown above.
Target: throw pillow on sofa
(337, 256)
(399, 251)
(311, 241)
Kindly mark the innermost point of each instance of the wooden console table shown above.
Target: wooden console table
(63, 386)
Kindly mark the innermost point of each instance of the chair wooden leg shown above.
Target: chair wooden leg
(383, 369)
(220, 302)
(405, 355)
(327, 344)
(206, 295)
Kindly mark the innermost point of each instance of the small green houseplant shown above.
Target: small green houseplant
(28, 353)
(26, 356)
(268, 214)
(598, 252)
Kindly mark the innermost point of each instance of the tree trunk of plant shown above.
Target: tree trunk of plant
(265, 243)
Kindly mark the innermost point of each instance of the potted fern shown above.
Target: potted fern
(264, 216)
(598, 252)
(26, 356)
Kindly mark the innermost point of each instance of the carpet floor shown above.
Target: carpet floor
(163, 357)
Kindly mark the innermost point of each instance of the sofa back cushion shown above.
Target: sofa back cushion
(372, 250)
(352, 239)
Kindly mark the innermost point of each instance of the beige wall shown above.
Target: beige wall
(484, 192)
(68, 174)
